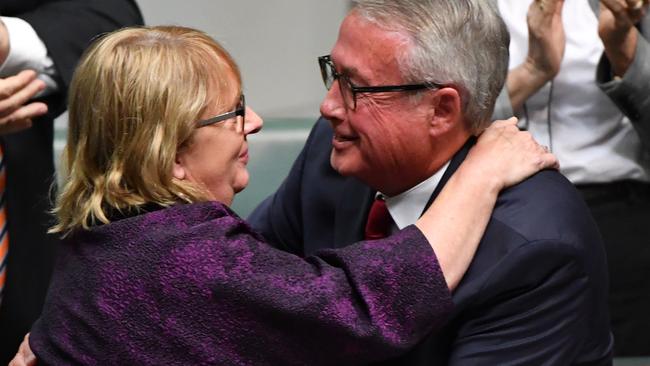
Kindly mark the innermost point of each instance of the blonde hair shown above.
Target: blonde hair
(134, 100)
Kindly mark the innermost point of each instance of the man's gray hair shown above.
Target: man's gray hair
(459, 42)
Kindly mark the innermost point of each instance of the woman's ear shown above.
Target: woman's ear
(178, 170)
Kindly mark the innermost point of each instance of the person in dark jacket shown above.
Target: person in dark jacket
(44, 39)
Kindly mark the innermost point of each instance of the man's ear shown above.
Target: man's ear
(447, 111)
(178, 170)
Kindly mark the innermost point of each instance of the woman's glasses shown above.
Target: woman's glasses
(240, 111)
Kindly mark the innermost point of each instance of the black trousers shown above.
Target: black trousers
(622, 212)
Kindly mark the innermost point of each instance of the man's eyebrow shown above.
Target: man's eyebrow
(348, 70)
(353, 73)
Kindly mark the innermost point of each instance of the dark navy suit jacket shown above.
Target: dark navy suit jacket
(535, 293)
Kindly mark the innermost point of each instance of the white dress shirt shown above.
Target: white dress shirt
(593, 140)
(407, 207)
(27, 51)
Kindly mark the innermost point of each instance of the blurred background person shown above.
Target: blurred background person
(40, 43)
(156, 269)
(579, 80)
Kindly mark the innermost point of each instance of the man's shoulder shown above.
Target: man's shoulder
(536, 226)
(545, 206)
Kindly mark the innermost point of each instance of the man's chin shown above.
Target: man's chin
(341, 164)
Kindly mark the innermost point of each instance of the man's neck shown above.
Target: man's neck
(413, 174)
(406, 207)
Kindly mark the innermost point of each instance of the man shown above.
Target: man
(411, 82)
(48, 37)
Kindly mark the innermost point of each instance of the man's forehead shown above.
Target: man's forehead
(367, 50)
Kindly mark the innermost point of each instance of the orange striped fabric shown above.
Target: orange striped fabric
(4, 235)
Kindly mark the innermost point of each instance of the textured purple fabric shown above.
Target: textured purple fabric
(192, 284)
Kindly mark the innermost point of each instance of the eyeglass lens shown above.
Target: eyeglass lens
(329, 74)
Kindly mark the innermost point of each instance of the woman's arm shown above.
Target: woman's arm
(455, 222)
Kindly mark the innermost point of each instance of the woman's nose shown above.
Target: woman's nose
(253, 122)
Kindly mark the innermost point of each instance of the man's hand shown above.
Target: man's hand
(15, 92)
(616, 29)
(25, 356)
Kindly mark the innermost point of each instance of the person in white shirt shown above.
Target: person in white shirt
(578, 80)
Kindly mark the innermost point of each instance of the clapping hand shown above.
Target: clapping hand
(16, 112)
(546, 44)
(546, 38)
(616, 29)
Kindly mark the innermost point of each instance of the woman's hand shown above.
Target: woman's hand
(25, 356)
(508, 155)
(616, 29)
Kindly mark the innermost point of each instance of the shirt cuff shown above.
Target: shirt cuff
(27, 52)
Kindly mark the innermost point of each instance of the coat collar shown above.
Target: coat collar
(455, 162)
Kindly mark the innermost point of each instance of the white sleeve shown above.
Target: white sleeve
(27, 51)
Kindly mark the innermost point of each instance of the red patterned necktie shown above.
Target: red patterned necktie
(4, 236)
(379, 221)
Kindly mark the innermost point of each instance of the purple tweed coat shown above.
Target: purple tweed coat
(193, 284)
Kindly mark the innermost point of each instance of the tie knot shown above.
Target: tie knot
(379, 220)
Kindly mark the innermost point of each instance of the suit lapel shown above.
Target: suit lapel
(455, 162)
(352, 212)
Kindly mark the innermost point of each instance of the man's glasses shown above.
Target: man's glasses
(349, 91)
(240, 111)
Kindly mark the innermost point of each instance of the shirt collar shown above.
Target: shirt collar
(407, 207)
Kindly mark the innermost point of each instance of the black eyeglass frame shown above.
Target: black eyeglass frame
(240, 110)
(326, 61)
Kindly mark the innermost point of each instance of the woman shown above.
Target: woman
(156, 269)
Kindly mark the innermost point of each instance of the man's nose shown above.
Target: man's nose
(333, 106)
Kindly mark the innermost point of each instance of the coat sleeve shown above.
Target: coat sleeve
(537, 307)
(366, 302)
(218, 294)
(67, 27)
